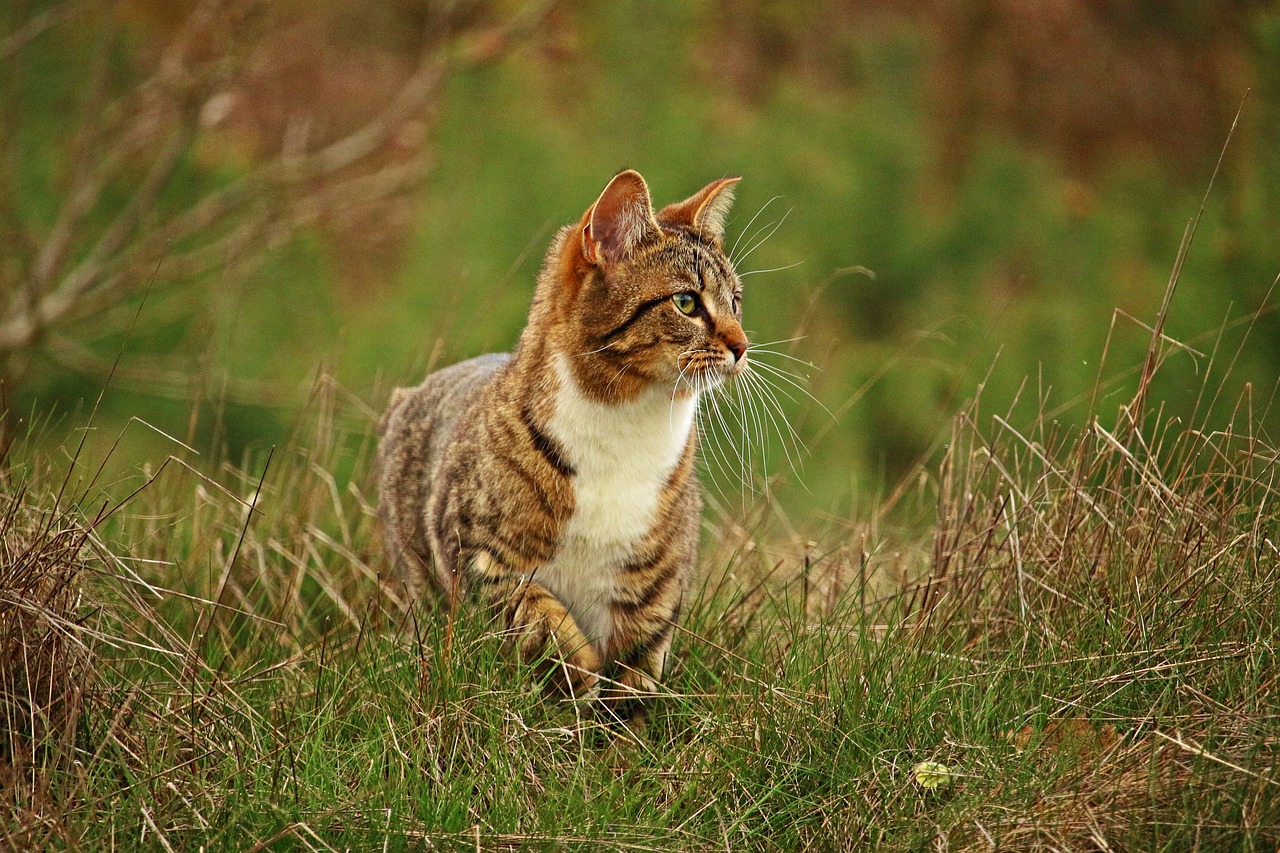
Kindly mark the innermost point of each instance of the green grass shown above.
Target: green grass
(1002, 248)
(205, 652)
(1086, 639)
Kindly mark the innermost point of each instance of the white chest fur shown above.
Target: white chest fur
(622, 455)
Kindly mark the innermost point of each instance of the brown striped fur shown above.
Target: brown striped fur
(558, 483)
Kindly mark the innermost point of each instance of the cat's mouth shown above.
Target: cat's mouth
(705, 369)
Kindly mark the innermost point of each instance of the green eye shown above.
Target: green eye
(686, 303)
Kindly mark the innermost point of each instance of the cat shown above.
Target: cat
(557, 483)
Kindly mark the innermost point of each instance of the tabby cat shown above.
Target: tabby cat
(557, 483)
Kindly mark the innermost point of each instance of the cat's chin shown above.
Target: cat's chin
(710, 373)
(706, 380)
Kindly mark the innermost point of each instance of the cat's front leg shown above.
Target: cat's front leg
(540, 625)
(639, 650)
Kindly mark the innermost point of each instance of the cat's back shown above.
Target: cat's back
(435, 404)
(413, 437)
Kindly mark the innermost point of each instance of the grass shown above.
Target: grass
(1085, 639)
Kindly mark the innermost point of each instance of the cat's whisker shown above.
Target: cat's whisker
(773, 411)
(711, 380)
(735, 468)
(616, 377)
(594, 351)
(721, 432)
(711, 421)
(757, 418)
(764, 401)
(731, 397)
(753, 447)
(770, 394)
(778, 341)
(675, 391)
(777, 388)
(769, 409)
(763, 239)
(714, 444)
(733, 250)
(752, 430)
(792, 380)
(788, 356)
(792, 444)
(740, 418)
(773, 269)
(680, 377)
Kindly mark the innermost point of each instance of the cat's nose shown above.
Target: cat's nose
(738, 348)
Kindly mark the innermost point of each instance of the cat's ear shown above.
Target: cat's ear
(706, 211)
(619, 219)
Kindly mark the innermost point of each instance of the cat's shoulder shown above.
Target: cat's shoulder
(452, 384)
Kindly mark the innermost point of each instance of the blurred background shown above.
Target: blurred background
(224, 206)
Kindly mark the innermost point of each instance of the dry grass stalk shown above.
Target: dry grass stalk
(201, 95)
(47, 661)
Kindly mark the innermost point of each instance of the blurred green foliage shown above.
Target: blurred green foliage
(915, 268)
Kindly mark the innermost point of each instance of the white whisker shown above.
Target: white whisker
(726, 433)
(774, 269)
(675, 392)
(754, 430)
(743, 232)
(779, 341)
(763, 239)
(773, 411)
(609, 386)
(790, 379)
(770, 400)
(594, 351)
(796, 359)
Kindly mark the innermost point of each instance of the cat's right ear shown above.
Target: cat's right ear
(706, 211)
(619, 220)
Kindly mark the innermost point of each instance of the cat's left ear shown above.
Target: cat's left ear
(619, 220)
(706, 211)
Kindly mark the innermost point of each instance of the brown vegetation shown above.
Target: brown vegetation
(280, 119)
(47, 651)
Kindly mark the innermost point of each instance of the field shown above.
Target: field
(1084, 646)
(993, 565)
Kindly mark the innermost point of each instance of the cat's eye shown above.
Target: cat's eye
(686, 303)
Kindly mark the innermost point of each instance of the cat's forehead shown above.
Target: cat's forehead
(702, 261)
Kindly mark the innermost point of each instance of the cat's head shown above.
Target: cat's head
(644, 298)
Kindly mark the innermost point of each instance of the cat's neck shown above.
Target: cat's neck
(644, 437)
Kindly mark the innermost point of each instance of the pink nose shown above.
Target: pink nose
(738, 348)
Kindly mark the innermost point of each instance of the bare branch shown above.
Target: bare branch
(37, 26)
(294, 189)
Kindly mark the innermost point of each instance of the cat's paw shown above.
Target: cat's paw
(549, 633)
(626, 696)
(579, 680)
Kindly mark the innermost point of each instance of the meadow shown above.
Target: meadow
(1083, 647)
(1011, 584)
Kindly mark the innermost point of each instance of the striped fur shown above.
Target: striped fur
(557, 483)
